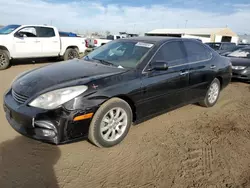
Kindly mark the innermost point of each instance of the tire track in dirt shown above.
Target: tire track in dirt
(197, 163)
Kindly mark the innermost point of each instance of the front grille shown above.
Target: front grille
(19, 98)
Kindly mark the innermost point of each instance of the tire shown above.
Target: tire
(97, 137)
(208, 102)
(70, 53)
(4, 60)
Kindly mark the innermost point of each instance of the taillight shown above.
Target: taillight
(86, 43)
(95, 41)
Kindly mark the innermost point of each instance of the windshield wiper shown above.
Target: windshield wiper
(104, 62)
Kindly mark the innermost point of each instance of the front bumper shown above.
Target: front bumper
(242, 74)
(53, 126)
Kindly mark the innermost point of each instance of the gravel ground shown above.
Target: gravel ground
(188, 147)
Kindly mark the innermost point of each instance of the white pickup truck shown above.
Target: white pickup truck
(36, 41)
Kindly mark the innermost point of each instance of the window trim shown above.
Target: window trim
(35, 28)
(24, 28)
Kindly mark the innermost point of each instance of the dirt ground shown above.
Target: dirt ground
(188, 147)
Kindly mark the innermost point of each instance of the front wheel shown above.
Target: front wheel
(111, 123)
(70, 53)
(212, 95)
(4, 60)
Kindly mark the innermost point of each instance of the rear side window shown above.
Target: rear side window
(172, 53)
(197, 52)
(45, 32)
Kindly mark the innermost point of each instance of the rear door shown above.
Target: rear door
(50, 41)
(201, 68)
(166, 89)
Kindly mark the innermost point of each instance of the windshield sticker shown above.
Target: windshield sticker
(146, 45)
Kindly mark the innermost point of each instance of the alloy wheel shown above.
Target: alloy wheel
(72, 55)
(113, 124)
(3, 60)
(213, 93)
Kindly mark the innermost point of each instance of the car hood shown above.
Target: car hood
(59, 74)
(240, 61)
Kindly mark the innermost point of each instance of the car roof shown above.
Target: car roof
(37, 26)
(220, 43)
(155, 39)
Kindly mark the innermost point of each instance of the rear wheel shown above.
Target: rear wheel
(4, 60)
(111, 123)
(212, 95)
(70, 53)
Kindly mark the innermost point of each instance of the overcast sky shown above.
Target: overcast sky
(128, 15)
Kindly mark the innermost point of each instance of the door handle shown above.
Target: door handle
(37, 41)
(184, 73)
(55, 41)
(212, 67)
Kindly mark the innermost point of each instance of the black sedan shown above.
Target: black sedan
(241, 63)
(123, 82)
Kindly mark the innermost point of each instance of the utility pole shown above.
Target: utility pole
(186, 23)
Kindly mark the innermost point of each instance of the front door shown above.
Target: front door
(26, 43)
(166, 89)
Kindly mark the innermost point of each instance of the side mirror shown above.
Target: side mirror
(159, 65)
(19, 35)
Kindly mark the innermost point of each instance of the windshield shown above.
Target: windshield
(215, 46)
(8, 29)
(242, 53)
(126, 54)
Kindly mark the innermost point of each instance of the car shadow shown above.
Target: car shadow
(17, 62)
(28, 163)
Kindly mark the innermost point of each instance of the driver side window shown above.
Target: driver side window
(27, 32)
(172, 53)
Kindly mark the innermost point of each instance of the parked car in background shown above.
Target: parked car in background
(124, 81)
(36, 41)
(244, 44)
(241, 63)
(232, 50)
(97, 42)
(221, 47)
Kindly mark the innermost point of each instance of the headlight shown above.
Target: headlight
(56, 98)
(238, 67)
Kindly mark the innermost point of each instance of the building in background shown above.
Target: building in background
(204, 34)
